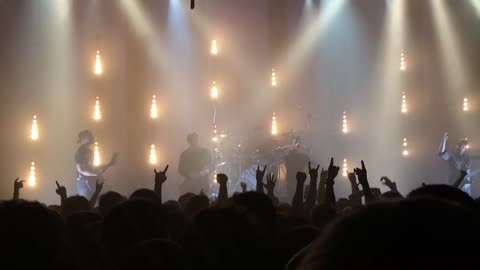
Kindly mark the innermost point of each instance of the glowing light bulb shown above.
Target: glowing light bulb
(153, 108)
(214, 91)
(214, 48)
(153, 155)
(404, 103)
(215, 176)
(34, 132)
(403, 66)
(345, 168)
(344, 123)
(31, 178)
(96, 155)
(97, 114)
(274, 78)
(405, 149)
(465, 104)
(215, 137)
(98, 64)
(274, 124)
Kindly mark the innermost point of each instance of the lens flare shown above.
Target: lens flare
(274, 124)
(96, 155)
(34, 132)
(153, 155)
(153, 108)
(97, 114)
(31, 178)
(98, 64)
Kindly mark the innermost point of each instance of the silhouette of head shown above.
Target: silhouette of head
(192, 139)
(146, 194)
(75, 204)
(406, 234)
(85, 137)
(32, 235)
(132, 222)
(444, 192)
(109, 200)
(220, 238)
(154, 255)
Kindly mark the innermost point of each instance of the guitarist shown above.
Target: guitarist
(195, 166)
(87, 173)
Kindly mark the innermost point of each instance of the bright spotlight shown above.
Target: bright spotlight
(96, 155)
(153, 155)
(214, 91)
(97, 115)
(465, 104)
(274, 78)
(31, 177)
(214, 48)
(404, 102)
(153, 108)
(344, 123)
(274, 124)
(34, 132)
(403, 65)
(98, 64)
(345, 168)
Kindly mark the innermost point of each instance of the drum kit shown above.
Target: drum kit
(239, 158)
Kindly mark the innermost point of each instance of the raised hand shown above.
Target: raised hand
(161, 177)
(313, 172)
(260, 173)
(243, 185)
(332, 170)
(301, 177)
(222, 179)
(362, 174)
(389, 183)
(17, 185)
(61, 190)
(271, 182)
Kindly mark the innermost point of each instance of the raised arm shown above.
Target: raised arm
(222, 180)
(259, 176)
(321, 186)
(329, 191)
(442, 149)
(17, 185)
(62, 192)
(297, 203)
(160, 178)
(312, 192)
(270, 186)
(363, 180)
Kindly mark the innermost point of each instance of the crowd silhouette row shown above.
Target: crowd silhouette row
(433, 227)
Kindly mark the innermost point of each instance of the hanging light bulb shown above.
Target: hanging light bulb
(274, 124)
(405, 149)
(344, 123)
(97, 114)
(96, 155)
(345, 168)
(215, 176)
(404, 103)
(214, 91)
(153, 108)
(31, 177)
(465, 104)
(34, 132)
(274, 78)
(98, 64)
(214, 49)
(215, 137)
(403, 66)
(153, 155)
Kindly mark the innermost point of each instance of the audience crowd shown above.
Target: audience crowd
(432, 227)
